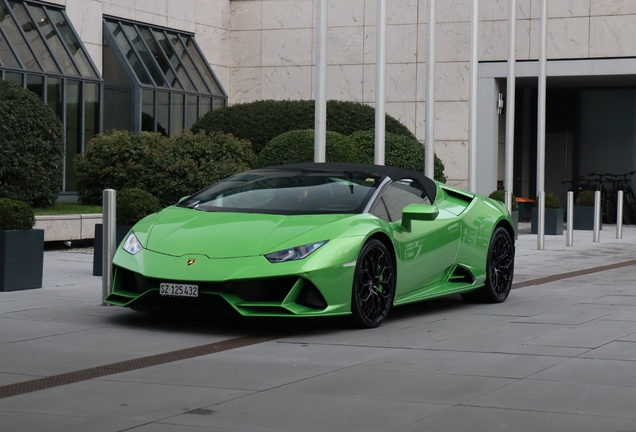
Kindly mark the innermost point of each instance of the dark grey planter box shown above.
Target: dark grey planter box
(584, 218)
(21, 259)
(514, 215)
(553, 221)
(120, 233)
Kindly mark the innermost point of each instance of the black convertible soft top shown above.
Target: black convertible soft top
(393, 173)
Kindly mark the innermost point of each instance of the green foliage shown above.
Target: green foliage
(585, 198)
(399, 151)
(31, 147)
(298, 147)
(168, 168)
(261, 121)
(551, 201)
(500, 195)
(15, 215)
(134, 204)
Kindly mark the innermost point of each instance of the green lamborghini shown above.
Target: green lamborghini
(309, 240)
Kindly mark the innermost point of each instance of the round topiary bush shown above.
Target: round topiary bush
(298, 146)
(551, 201)
(261, 121)
(500, 195)
(31, 147)
(168, 168)
(15, 215)
(399, 151)
(585, 198)
(135, 204)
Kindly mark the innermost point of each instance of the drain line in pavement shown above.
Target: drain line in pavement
(230, 344)
(568, 275)
(129, 365)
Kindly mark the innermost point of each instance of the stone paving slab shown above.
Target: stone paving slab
(555, 356)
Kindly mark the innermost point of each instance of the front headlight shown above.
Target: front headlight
(132, 245)
(295, 253)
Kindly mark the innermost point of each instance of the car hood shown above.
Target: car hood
(180, 231)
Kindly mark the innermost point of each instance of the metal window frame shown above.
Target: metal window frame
(26, 43)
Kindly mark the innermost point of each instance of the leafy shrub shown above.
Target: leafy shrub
(261, 121)
(298, 146)
(551, 200)
(134, 204)
(399, 151)
(31, 147)
(168, 168)
(15, 215)
(585, 198)
(500, 195)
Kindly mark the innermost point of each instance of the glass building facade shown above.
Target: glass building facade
(40, 51)
(155, 79)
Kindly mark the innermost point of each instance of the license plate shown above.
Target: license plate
(178, 290)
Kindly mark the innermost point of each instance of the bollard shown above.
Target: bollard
(569, 239)
(541, 222)
(596, 237)
(508, 200)
(109, 200)
(619, 215)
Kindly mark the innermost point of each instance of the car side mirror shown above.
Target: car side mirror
(418, 212)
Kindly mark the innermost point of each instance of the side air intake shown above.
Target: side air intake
(461, 275)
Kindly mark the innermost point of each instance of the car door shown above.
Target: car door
(429, 248)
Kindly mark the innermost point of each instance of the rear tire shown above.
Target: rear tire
(373, 285)
(499, 270)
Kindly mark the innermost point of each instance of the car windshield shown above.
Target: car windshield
(281, 191)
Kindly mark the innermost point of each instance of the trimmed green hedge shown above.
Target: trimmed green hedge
(500, 195)
(15, 215)
(551, 201)
(261, 121)
(134, 204)
(298, 146)
(168, 168)
(585, 198)
(399, 151)
(31, 147)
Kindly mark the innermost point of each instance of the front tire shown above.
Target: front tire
(373, 285)
(499, 269)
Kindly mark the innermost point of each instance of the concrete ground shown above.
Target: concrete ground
(558, 355)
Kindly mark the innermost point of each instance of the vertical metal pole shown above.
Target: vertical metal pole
(619, 215)
(569, 239)
(320, 128)
(511, 98)
(597, 217)
(380, 82)
(429, 163)
(541, 111)
(541, 222)
(472, 116)
(508, 200)
(109, 201)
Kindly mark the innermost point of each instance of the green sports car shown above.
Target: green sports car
(309, 240)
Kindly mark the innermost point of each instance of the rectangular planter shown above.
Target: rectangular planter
(120, 233)
(583, 218)
(21, 259)
(553, 221)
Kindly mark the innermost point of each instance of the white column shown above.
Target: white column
(510, 102)
(320, 127)
(472, 121)
(541, 114)
(380, 82)
(429, 166)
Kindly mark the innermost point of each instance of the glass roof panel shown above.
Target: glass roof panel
(16, 40)
(160, 57)
(203, 66)
(33, 37)
(129, 53)
(174, 59)
(182, 52)
(145, 54)
(53, 40)
(74, 45)
(6, 55)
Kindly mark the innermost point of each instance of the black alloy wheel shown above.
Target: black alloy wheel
(373, 285)
(500, 265)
